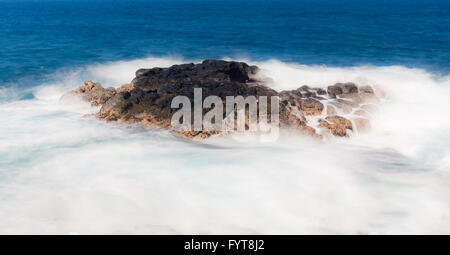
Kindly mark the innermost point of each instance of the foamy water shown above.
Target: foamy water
(61, 173)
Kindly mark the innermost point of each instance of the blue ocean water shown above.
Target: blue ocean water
(63, 172)
(39, 37)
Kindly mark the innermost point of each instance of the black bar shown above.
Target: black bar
(223, 244)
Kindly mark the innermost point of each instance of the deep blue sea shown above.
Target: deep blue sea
(62, 171)
(39, 37)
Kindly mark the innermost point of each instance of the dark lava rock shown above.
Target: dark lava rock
(147, 99)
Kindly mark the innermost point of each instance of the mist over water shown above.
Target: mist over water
(63, 173)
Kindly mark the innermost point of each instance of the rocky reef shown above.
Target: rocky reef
(337, 110)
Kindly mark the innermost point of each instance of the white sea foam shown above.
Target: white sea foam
(62, 173)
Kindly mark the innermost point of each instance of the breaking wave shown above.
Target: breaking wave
(64, 173)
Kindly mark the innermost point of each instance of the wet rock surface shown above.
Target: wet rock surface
(334, 110)
(93, 93)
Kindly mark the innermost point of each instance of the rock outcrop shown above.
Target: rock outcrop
(334, 110)
(93, 93)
